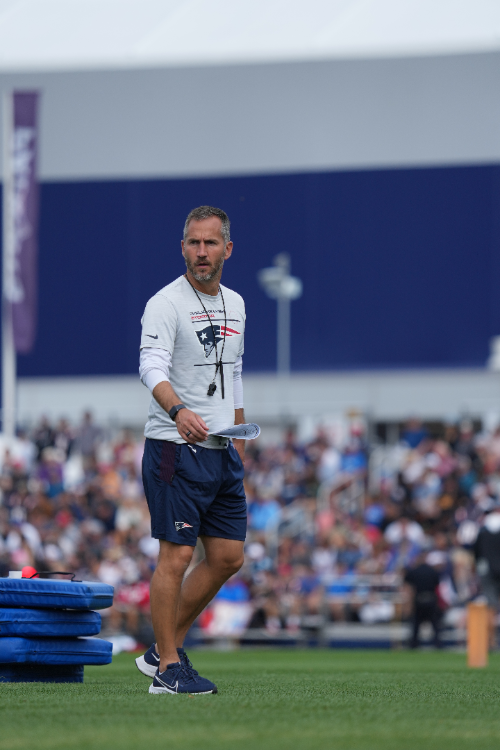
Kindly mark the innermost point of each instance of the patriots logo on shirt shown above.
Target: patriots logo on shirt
(206, 336)
(179, 525)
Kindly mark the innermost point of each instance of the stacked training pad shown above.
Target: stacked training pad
(43, 629)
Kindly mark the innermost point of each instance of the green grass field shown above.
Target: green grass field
(267, 699)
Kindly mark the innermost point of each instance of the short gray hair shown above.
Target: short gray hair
(205, 212)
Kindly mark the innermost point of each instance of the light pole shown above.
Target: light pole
(281, 286)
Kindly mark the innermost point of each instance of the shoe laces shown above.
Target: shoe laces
(188, 667)
(180, 671)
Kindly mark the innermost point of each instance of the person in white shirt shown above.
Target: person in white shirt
(191, 360)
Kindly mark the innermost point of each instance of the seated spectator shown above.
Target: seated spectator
(414, 433)
(374, 513)
(263, 513)
(405, 529)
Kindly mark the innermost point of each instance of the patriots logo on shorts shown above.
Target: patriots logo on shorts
(179, 525)
(206, 336)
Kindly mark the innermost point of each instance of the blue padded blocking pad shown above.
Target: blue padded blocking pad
(55, 651)
(54, 594)
(40, 673)
(48, 622)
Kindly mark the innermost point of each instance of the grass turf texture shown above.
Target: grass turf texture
(272, 699)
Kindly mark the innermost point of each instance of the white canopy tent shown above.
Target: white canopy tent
(108, 34)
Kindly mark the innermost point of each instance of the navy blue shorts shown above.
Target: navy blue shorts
(193, 491)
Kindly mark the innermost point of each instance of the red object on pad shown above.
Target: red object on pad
(29, 572)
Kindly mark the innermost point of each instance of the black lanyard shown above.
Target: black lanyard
(218, 362)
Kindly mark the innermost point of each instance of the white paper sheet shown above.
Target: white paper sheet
(240, 432)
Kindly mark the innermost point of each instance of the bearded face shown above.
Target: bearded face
(204, 271)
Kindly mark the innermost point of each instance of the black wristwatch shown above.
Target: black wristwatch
(173, 411)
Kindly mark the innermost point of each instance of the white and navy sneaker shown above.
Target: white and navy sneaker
(150, 661)
(176, 679)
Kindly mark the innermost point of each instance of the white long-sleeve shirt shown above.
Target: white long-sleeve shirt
(154, 368)
(194, 330)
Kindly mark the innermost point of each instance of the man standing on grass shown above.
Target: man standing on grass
(191, 360)
(487, 556)
(424, 580)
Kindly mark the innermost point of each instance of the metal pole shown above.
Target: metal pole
(283, 361)
(282, 261)
(8, 349)
(281, 286)
(283, 358)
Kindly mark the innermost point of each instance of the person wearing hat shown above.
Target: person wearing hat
(487, 556)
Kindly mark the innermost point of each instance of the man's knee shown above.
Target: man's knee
(236, 564)
(227, 565)
(223, 556)
(174, 559)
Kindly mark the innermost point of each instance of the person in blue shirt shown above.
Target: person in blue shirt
(262, 513)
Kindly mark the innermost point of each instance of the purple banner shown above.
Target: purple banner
(22, 282)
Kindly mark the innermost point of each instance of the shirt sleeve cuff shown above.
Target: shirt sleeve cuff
(153, 377)
(238, 393)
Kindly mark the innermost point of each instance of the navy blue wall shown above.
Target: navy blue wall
(400, 267)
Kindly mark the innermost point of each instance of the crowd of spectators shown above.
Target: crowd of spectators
(333, 524)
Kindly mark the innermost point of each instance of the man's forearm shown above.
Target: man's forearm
(239, 418)
(189, 425)
(165, 395)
